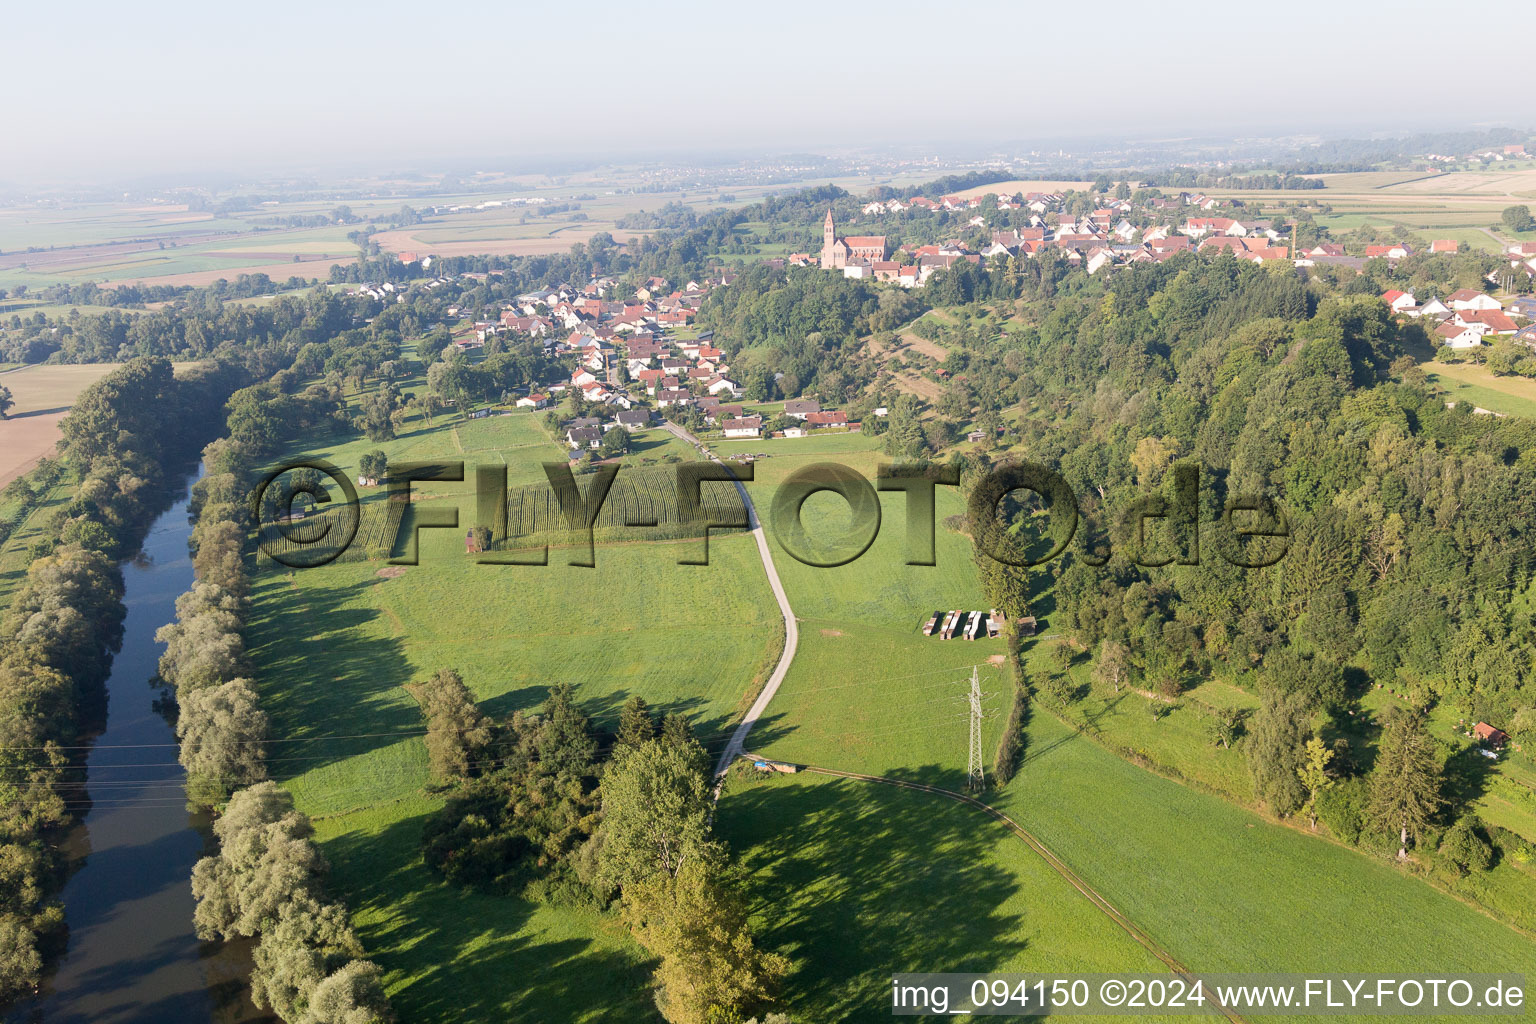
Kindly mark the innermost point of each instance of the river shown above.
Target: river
(132, 955)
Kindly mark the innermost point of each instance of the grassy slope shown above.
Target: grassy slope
(334, 645)
(856, 881)
(1220, 887)
(1469, 382)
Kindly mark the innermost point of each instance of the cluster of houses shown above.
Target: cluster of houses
(1103, 238)
(1466, 317)
(624, 353)
(807, 413)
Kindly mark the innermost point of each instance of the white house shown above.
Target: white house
(747, 426)
(533, 401)
(1459, 336)
(1466, 298)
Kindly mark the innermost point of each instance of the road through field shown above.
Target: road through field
(791, 630)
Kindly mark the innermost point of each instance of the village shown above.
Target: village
(636, 360)
(1122, 232)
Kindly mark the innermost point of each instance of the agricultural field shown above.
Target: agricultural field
(166, 243)
(336, 644)
(43, 396)
(1461, 205)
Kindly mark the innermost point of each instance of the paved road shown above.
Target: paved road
(791, 630)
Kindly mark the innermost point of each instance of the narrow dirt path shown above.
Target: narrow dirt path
(1056, 864)
(791, 629)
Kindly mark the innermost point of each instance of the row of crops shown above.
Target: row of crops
(314, 539)
(646, 495)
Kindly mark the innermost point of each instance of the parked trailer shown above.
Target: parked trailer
(932, 625)
(973, 625)
(951, 624)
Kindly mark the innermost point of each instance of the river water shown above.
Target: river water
(132, 955)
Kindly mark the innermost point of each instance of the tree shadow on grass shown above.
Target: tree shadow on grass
(855, 881)
(322, 675)
(454, 954)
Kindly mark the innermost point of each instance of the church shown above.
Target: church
(837, 253)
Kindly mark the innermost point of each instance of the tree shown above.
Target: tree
(1405, 784)
(1518, 218)
(564, 744)
(656, 806)
(373, 465)
(457, 733)
(1464, 845)
(20, 963)
(615, 442)
(1276, 741)
(377, 420)
(6, 401)
(696, 924)
(1225, 725)
(635, 723)
(221, 729)
(353, 995)
(1314, 776)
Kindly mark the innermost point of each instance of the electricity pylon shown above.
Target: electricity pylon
(975, 777)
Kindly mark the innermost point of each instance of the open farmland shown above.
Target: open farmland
(1460, 205)
(43, 396)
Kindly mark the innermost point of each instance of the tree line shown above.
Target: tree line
(125, 436)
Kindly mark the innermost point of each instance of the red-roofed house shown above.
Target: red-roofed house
(1494, 320)
(1449, 245)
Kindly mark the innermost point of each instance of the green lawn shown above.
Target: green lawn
(334, 645)
(1219, 886)
(856, 881)
(1472, 383)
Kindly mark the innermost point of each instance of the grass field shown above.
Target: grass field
(334, 646)
(856, 881)
(1471, 382)
(1218, 886)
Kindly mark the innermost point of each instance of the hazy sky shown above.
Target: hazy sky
(100, 90)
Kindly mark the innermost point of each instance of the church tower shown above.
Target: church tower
(828, 242)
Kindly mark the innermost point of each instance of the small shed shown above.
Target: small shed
(1027, 626)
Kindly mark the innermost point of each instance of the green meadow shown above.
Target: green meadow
(1218, 886)
(334, 646)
